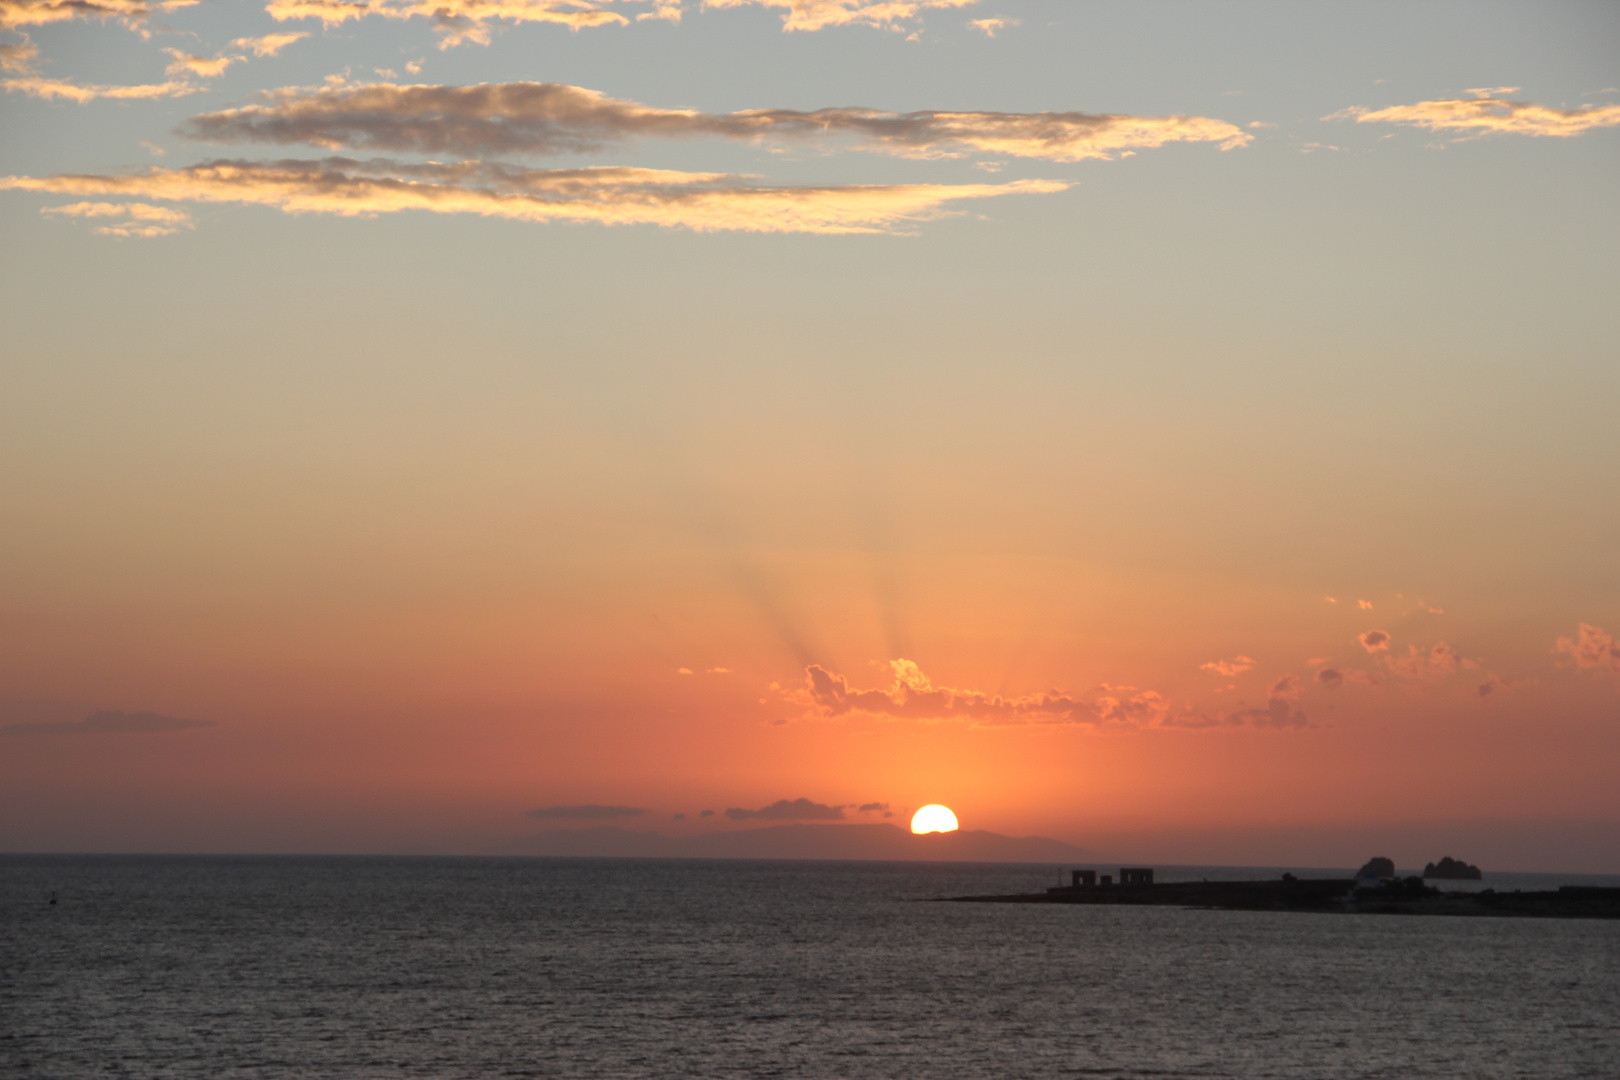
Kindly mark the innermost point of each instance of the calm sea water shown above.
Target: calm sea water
(485, 968)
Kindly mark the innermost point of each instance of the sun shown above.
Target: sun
(933, 818)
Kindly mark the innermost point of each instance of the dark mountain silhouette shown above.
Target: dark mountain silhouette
(857, 842)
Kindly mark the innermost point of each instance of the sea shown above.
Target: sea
(353, 967)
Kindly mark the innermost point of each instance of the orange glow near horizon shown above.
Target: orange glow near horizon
(933, 818)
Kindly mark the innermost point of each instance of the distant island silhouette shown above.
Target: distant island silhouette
(1346, 896)
(1377, 867)
(879, 843)
(1452, 870)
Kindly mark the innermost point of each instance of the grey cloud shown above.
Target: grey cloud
(800, 809)
(866, 808)
(555, 118)
(108, 723)
(1332, 678)
(588, 811)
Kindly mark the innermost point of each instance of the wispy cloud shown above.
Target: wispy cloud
(551, 118)
(1439, 661)
(703, 202)
(1592, 649)
(203, 67)
(913, 696)
(1277, 713)
(127, 219)
(269, 44)
(989, 27)
(108, 723)
(1486, 114)
(820, 14)
(1228, 668)
(800, 809)
(50, 89)
(15, 13)
(461, 21)
(588, 812)
(19, 56)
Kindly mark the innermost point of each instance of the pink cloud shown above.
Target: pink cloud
(1374, 641)
(1592, 649)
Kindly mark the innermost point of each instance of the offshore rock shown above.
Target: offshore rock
(1452, 870)
(1378, 867)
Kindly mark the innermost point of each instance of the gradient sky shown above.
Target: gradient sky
(1185, 430)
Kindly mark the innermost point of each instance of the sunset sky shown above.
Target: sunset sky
(1185, 430)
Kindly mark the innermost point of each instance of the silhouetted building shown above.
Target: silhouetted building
(1135, 876)
(1083, 877)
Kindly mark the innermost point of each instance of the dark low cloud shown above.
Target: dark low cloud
(589, 811)
(1332, 678)
(554, 118)
(1374, 641)
(800, 809)
(867, 808)
(108, 723)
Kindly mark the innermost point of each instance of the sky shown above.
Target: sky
(1184, 430)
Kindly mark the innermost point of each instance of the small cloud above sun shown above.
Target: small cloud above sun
(933, 818)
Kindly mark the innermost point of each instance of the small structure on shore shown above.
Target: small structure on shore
(1128, 875)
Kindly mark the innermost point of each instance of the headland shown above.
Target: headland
(1406, 896)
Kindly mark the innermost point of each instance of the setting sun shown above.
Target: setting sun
(933, 818)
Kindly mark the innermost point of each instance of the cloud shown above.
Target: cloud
(15, 13)
(203, 67)
(1364, 605)
(706, 813)
(1278, 712)
(988, 27)
(1332, 678)
(703, 202)
(1487, 114)
(1592, 649)
(1374, 641)
(588, 812)
(461, 21)
(800, 809)
(19, 57)
(872, 807)
(108, 723)
(820, 14)
(1437, 662)
(127, 219)
(554, 118)
(1228, 668)
(49, 89)
(269, 44)
(913, 696)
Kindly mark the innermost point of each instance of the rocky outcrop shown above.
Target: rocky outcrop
(1378, 867)
(1452, 870)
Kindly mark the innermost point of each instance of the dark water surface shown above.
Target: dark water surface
(425, 967)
